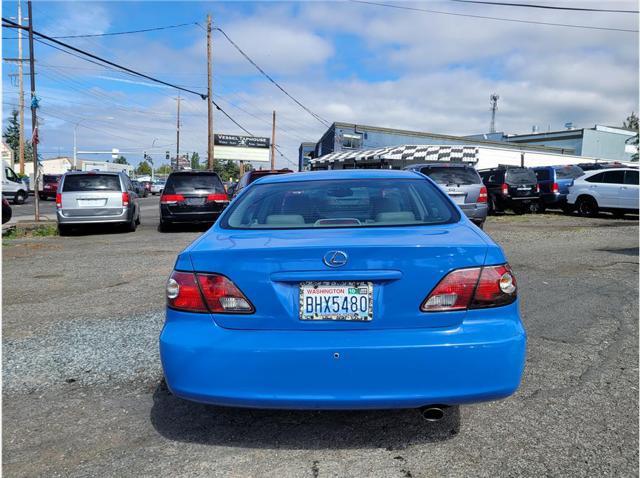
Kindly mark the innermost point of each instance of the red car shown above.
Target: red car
(49, 186)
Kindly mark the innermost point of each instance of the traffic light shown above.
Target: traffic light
(167, 156)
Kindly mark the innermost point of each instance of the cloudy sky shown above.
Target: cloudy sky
(346, 61)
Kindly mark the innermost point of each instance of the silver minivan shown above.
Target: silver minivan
(462, 183)
(96, 197)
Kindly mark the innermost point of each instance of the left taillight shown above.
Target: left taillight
(196, 292)
(473, 288)
(482, 197)
(555, 188)
(125, 199)
(59, 201)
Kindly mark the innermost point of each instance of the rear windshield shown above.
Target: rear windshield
(91, 182)
(340, 203)
(47, 178)
(520, 176)
(193, 183)
(450, 176)
(569, 172)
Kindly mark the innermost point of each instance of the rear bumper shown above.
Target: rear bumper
(192, 216)
(476, 212)
(554, 199)
(482, 359)
(123, 217)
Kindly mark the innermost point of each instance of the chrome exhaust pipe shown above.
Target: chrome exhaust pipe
(432, 413)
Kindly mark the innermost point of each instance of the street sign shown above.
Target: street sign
(115, 153)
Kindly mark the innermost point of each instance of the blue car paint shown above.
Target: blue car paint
(402, 358)
(549, 198)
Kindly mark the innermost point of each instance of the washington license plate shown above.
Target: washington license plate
(336, 301)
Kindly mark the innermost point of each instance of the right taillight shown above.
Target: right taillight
(555, 188)
(482, 197)
(195, 292)
(472, 288)
(59, 201)
(505, 189)
(171, 198)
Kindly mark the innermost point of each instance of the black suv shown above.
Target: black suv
(511, 188)
(192, 197)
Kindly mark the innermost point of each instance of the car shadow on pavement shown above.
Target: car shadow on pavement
(184, 228)
(184, 421)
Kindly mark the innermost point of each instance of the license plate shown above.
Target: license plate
(351, 301)
(92, 202)
(457, 198)
(195, 201)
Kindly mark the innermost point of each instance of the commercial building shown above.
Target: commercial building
(601, 142)
(604, 142)
(62, 164)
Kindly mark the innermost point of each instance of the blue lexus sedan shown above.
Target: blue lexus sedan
(352, 289)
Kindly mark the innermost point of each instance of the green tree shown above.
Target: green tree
(163, 169)
(143, 168)
(121, 160)
(195, 161)
(11, 136)
(631, 122)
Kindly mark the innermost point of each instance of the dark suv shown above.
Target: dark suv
(554, 182)
(250, 176)
(462, 183)
(511, 188)
(192, 197)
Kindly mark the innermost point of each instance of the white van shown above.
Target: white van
(13, 188)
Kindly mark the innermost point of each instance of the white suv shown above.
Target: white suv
(612, 190)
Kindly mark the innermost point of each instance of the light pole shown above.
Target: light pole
(75, 139)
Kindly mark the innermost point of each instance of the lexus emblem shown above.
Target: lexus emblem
(335, 258)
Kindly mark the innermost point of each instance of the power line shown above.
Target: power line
(549, 7)
(145, 30)
(95, 57)
(514, 20)
(266, 75)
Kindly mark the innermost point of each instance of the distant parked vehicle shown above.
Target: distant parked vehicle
(13, 188)
(192, 197)
(147, 186)
(554, 182)
(49, 186)
(462, 183)
(158, 186)
(139, 188)
(511, 188)
(610, 190)
(6, 211)
(250, 176)
(94, 198)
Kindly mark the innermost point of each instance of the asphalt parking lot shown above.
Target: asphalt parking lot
(83, 392)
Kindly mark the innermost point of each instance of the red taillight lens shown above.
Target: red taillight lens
(183, 292)
(171, 198)
(217, 197)
(497, 286)
(453, 292)
(59, 201)
(473, 288)
(222, 295)
(125, 199)
(537, 188)
(555, 188)
(482, 197)
(206, 293)
(505, 189)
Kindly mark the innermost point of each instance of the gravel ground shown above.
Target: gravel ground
(83, 395)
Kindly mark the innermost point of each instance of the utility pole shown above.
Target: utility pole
(21, 91)
(273, 141)
(34, 117)
(210, 160)
(178, 99)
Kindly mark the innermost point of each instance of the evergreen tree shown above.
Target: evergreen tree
(121, 160)
(195, 161)
(11, 136)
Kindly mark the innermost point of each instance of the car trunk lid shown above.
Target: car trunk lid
(402, 264)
